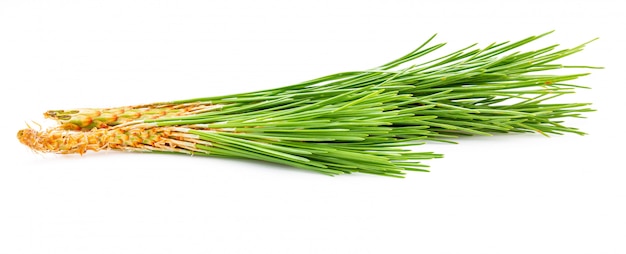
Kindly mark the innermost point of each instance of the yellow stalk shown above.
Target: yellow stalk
(168, 139)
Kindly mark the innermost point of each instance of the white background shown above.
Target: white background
(505, 194)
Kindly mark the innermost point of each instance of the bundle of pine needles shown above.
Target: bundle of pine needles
(359, 121)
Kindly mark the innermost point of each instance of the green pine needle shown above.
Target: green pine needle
(357, 121)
